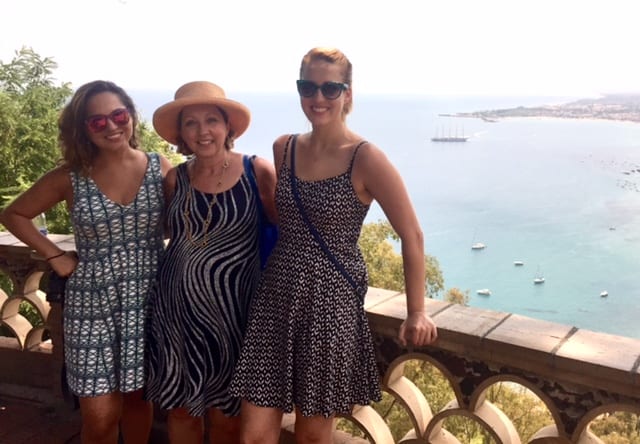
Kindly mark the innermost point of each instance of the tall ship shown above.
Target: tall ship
(450, 139)
(442, 137)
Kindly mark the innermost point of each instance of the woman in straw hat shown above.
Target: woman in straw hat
(308, 344)
(117, 226)
(209, 273)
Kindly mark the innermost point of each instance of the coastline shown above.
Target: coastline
(616, 107)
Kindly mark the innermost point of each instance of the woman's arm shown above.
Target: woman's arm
(169, 188)
(376, 178)
(266, 181)
(50, 189)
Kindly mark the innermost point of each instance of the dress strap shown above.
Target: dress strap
(291, 141)
(182, 177)
(286, 148)
(353, 157)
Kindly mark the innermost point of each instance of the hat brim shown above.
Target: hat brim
(165, 118)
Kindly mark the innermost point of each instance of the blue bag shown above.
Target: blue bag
(267, 231)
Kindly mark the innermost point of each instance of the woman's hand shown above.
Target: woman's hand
(419, 329)
(65, 264)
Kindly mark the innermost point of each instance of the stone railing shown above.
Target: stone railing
(578, 375)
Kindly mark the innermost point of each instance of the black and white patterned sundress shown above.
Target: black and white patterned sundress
(199, 307)
(119, 247)
(308, 342)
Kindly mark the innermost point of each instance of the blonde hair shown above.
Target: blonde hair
(334, 56)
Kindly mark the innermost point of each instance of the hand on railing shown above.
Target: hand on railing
(419, 329)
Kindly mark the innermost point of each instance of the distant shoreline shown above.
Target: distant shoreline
(614, 107)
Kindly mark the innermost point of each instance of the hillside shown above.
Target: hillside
(622, 107)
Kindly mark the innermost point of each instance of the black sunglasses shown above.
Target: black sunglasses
(98, 122)
(330, 90)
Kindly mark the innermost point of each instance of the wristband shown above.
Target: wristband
(55, 256)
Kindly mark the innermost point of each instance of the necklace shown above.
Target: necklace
(189, 202)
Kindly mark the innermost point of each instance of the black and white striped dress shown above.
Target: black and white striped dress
(308, 342)
(198, 309)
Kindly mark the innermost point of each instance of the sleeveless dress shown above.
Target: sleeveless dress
(308, 342)
(199, 307)
(119, 247)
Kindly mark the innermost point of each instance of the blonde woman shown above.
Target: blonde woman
(308, 346)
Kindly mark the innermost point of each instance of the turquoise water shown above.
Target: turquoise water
(560, 195)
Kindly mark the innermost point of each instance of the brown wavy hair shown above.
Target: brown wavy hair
(78, 152)
(334, 56)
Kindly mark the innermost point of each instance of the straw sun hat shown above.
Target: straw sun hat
(165, 118)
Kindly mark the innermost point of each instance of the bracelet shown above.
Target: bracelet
(55, 256)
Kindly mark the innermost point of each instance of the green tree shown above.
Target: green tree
(385, 265)
(30, 103)
(150, 141)
(29, 106)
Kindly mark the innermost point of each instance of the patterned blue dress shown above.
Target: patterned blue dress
(119, 247)
(198, 309)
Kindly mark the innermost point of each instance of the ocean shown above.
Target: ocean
(562, 196)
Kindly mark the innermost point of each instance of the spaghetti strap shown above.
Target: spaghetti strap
(292, 142)
(353, 157)
(286, 148)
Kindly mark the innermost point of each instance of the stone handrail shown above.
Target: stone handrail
(578, 374)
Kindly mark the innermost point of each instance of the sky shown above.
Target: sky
(486, 47)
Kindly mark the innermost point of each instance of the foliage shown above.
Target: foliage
(617, 428)
(527, 412)
(30, 102)
(26, 309)
(456, 296)
(150, 141)
(29, 106)
(385, 265)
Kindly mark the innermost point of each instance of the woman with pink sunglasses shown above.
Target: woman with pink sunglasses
(114, 194)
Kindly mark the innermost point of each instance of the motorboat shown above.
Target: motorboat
(484, 292)
(518, 263)
(604, 294)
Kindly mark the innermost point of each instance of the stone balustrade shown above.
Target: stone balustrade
(578, 375)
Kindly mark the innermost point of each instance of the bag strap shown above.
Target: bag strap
(318, 237)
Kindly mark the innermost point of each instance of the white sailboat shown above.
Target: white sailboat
(476, 245)
(538, 278)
